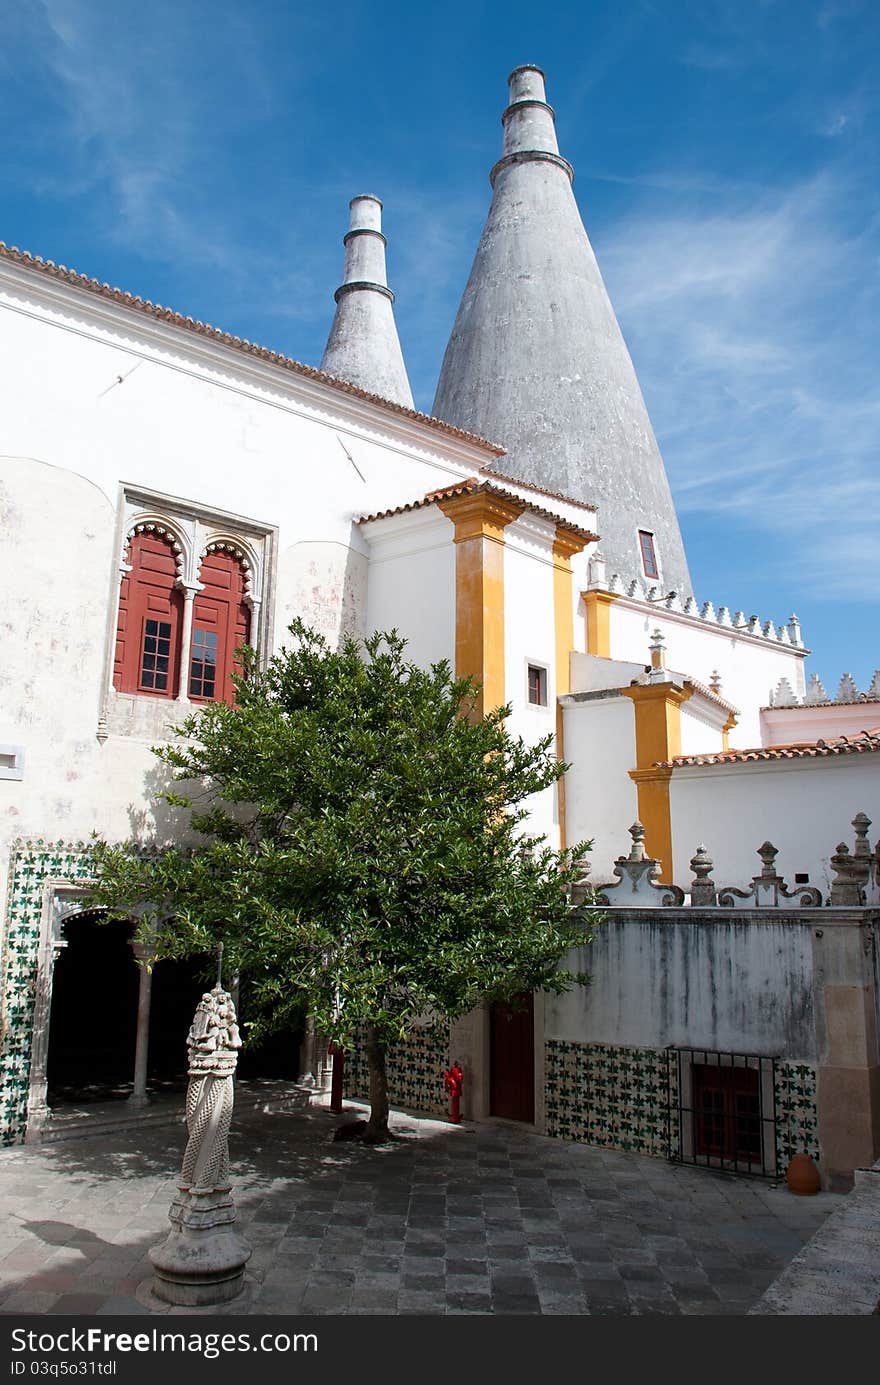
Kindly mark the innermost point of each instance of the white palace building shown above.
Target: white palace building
(168, 491)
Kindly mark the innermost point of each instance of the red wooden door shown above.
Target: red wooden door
(512, 1059)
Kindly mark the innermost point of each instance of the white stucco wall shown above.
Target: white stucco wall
(530, 638)
(412, 582)
(600, 798)
(194, 421)
(804, 807)
(701, 728)
(750, 667)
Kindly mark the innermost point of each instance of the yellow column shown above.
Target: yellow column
(480, 518)
(598, 606)
(658, 739)
(566, 543)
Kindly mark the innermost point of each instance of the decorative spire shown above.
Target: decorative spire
(363, 346)
(537, 362)
(815, 691)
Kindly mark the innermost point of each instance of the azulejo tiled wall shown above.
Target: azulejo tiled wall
(32, 864)
(415, 1069)
(797, 1117)
(619, 1098)
(627, 1098)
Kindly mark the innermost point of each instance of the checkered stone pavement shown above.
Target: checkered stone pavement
(488, 1218)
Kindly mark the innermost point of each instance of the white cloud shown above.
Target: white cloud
(754, 329)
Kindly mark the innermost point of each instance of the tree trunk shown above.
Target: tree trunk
(377, 1126)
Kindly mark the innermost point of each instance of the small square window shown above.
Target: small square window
(537, 685)
(649, 555)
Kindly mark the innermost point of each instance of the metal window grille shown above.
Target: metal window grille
(721, 1110)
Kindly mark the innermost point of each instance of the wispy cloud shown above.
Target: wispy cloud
(760, 385)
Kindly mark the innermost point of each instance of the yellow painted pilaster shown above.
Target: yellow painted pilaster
(658, 739)
(566, 543)
(480, 519)
(598, 606)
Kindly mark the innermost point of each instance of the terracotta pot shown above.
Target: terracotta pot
(802, 1176)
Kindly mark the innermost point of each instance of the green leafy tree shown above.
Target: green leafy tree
(364, 850)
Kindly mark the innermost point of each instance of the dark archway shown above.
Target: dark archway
(94, 1013)
(178, 984)
(277, 1056)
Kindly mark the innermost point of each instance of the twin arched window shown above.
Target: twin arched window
(152, 640)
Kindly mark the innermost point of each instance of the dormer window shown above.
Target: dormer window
(649, 554)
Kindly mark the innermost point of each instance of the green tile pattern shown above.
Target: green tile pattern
(415, 1068)
(31, 865)
(618, 1098)
(797, 1116)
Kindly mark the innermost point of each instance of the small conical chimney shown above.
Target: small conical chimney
(536, 360)
(363, 346)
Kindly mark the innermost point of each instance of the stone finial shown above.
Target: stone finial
(636, 885)
(794, 630)
(857, 873)
(202, 1259)
(815, 691)
(707, 611)
(597, 571)
(850, 877)
(768, 889)
(754, 625)
(874, 690)
(715, 686)
(768, 630)
(847, 690)
(703, 892)
(658, 657)
(860, 824)
(739, 619)
(724, 615)
(690, 607)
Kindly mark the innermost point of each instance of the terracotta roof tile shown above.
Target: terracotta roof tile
(865, 743)
(204, 329)
(470, 486)
(712, 696)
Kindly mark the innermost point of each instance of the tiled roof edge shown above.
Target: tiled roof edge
(204, 329)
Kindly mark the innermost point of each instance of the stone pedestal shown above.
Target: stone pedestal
(202, 1259)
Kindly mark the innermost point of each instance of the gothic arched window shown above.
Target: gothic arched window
(221, 623)
(149, 624)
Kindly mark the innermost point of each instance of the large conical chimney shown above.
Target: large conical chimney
(363, 346)
(537, 361)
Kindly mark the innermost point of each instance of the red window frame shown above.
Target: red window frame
(149, 599)
(221, 624)
(649, 553)
(537, 684)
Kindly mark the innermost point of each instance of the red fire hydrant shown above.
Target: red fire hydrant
(454, 1078)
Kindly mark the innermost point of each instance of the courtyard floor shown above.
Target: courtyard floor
(487, 1218)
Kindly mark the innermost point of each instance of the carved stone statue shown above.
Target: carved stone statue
(202, 1260)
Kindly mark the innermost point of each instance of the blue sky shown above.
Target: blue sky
(726, 156)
